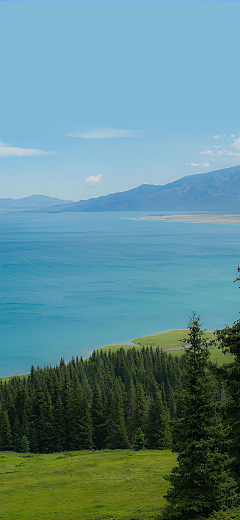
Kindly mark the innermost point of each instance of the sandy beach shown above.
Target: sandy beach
(204, 218)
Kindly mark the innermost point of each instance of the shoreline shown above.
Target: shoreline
(197, 218)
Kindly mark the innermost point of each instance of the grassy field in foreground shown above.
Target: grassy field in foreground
(85, 485)
(173, 338)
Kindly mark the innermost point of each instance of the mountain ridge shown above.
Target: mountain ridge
(32, 201)
(216, 190)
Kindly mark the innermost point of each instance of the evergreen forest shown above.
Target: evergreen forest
(98, 403)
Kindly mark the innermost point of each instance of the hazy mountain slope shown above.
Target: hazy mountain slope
(217, 190)
(32, 202)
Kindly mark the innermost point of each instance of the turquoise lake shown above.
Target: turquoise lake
(74, 282)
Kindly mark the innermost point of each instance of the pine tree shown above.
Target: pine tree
(59, 428)
(139, 440)
(130, 415)
(230, 342)
(16, 435)
(156, 423)
(79, 426)
(34, 444)
(229, 339)
(201, 482)
(45, 424)
(140, 409)
(116, 428)
(5, 431)
(98, 419)
(25, 446)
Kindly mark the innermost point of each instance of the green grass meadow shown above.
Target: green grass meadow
(84, 485)
(173, 338)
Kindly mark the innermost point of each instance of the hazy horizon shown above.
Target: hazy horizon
(76, 200)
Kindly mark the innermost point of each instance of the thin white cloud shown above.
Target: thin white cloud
(205, 164)
(236, 143)
(187, 164)
(219, 153)
(93, 179)
(234, 154)
(106, 133)
(194, 164)
(232, 135)
(217, 147)
(216, 136)
(16, 151)
(207, 152)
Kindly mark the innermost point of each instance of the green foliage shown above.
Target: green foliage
(5, 431)
(156, 426)
(25, 446)
(202, 480)
(229, 339)
(98, 403)
(229, 514)
(139, 440)
(116, 437)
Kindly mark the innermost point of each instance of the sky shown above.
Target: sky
(100, 96)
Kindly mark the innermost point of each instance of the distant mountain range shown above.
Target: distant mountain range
(32, 202)
(217, 191)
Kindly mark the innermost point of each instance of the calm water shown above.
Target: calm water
(74, 282)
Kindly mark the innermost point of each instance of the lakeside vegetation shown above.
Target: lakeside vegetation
(97, 403)
(173, 338)
(140, 398)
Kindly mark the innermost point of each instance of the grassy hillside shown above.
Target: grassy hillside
(173, 338)
(84, 485)
(6, 379)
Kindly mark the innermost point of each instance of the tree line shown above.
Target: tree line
(98, 403)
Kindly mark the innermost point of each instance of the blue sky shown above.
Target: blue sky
(102, 96)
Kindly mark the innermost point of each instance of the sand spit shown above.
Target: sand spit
(213, 218)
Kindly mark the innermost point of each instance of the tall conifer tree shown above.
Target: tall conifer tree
(156, 423)
(201, 482)
(116, 427)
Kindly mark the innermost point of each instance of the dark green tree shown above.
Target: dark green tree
(155, 430)
(34, 444)
(16, 435)
(116, 433)
(79, 425)
(139, 409)
(25, 446)
(229, 338)
(59, 428)
(139, 440)
(98, 418)
(45, 424)
(201, 483)
(5, 431)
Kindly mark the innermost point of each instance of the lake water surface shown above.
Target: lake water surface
(73, 282)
